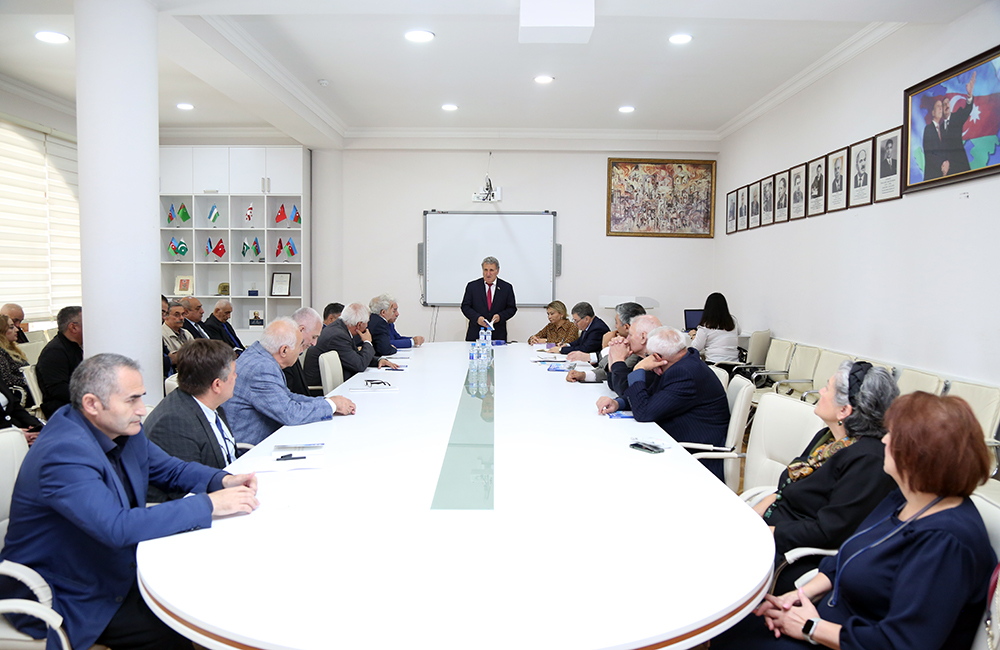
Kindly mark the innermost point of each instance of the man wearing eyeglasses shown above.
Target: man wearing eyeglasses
(592, 330)
(59, 358)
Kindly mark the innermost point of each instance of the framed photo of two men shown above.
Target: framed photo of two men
(951, 131)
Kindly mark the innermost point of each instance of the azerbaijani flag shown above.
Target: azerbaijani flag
(183, 213)
(281, 216)
(172, 246)
(290, 248)
(213, 214)
(171, 215)
(220, 248)
(256, 246)
(296, 215)
(182, 248)
(280, 248)
(250, 213)
(208, 247)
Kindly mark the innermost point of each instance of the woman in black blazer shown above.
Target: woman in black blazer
(12, 414)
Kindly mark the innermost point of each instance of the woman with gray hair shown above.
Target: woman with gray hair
(838, 478)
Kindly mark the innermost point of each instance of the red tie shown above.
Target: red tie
(489, 295)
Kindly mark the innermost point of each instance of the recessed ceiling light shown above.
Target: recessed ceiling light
(626, 109)
(185, 107)
(544, 79)
(52, 37)
(680, 39)
(449, 107)
(420, 36)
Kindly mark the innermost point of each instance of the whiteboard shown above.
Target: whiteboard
(455, 244)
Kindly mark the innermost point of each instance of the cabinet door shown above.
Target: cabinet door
(211, 170)
(284, 169)
(175, 170)
(246, 169)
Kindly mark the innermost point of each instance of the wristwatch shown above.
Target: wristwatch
(809, 629)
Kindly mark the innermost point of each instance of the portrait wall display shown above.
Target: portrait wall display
(816, 170)
(951, 124)
(798, 192)
(767, 201)
(781, 196)
(742, 210)
(887, 185)
(859, 173)
(836, 182)
(661, 198)
(731, 212)
(754, 206)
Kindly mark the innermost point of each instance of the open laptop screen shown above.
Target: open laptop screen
(692, 317)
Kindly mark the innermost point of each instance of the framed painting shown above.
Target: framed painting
(887, 186)
(836, 188)
(767, 201)
(781, 196)
(798, 184)
(661, 198)
(951, 128)
(859, 161)
(817, 186)
(731, 212)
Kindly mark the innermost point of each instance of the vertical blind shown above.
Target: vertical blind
(39, 222)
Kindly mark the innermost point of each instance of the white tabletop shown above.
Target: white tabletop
(590, 544)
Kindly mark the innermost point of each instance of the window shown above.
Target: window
(39, 222)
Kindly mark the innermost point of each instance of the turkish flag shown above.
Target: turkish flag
(220, 248)
(280, 247)
(281, 216)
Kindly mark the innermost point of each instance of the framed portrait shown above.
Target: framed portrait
(798, 191)
(743, 207)
(781, 196)
(281, 284)
(886, 181)
(661, 198)
(731, 212)
(183, 285)
(767, 201)
(754, 206)
(951, 128)
(836, 187)
(816, 170)
(859, 164)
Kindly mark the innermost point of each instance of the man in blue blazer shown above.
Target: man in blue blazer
(674, 388)
(261, 402)
(592, 330)
(79, 508)
(382, 325)
(490, 300)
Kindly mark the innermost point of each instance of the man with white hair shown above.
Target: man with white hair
(261, 402)
(349, 337)
(16, 315)
(310, 324)
(218, 327)
(673, 387)
(382, 324)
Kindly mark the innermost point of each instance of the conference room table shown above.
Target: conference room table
(460, 511)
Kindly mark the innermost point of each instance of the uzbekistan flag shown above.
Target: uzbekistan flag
(213, 214)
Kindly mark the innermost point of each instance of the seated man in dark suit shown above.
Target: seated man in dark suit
(625, 313)
(489, 301)
(218, 326)
(674, 388)
(189, 423)
(79, 510)
(59, 358)
(629, 349)
(390, 315)
(592, 330)
(16, 315)
(310, 324)
(350, 338)
(331, 313)
(383, 312)
(193, 313)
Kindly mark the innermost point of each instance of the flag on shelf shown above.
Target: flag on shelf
(171, 215)
(280, 248)
(172, 246)
(220, 248)
(182, 248)
(281, 216)
(256, 246)
(213, 214)
(296, 215)
(208, 247)
(290, 248)
(246, 247)
(182, 212)
(250, 213)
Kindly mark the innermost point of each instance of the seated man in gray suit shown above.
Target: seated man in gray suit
(189, 423)
(261, 402)
(349, 337)
(310, 324)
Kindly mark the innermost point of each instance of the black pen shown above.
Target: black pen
(290, 457)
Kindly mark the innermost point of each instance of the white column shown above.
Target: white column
(118, 139)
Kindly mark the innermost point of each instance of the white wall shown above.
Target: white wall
(386, 192)
(912, 281)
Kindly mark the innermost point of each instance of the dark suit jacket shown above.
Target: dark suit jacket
(474, 306)
(220, 331)
(295, 379)
(687, 401)
(71, 520)
(381, 336)
(189, 326)
(338, 337)
(590, 340)
(889, 168)
(838, 183)
(934, 153)
(954, 146)
(860, 180)
(21, 336)
(15, 415)
(57, 361)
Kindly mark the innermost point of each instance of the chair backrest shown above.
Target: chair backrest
(740, 397)
(32, 350)
(910, 381)
(803, 363)
(826, 366)
(987, 501)
(331, 373)
(781, 429)
(170, 384)
(31, 379)
(779, 354)
(51, 333)
(722, 375)
(13, 448)
(758, 346)
(35, 336)
(985, 403)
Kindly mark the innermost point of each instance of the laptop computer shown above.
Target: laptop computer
(691, 318)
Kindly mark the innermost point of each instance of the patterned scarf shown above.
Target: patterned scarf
(822, 452)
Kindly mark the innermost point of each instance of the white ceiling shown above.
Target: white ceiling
(255, 63)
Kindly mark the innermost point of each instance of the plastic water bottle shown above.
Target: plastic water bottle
(489, 347)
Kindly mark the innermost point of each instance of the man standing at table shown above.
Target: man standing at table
(489, 301)
(674, 388)
(79, 510)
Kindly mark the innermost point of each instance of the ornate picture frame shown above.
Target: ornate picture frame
(661, 198)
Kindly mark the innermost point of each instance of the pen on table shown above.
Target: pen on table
(290, 457)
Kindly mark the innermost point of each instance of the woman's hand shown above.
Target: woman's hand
(765, 503)
(790, 624)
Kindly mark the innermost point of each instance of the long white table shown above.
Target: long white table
(589, 544)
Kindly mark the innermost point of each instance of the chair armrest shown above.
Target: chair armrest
(245, 446)
(46, 614)
(807, 394)
(30, 579)
(778, 384)
(797, 554)
(23, 393)
(703, 447)
(753, 496)
(768, 373)
(717, 455)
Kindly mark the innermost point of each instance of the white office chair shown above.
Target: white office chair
(722, 375)
(910, 381)
(740, 397)
(829, 362)
(170, 384)
(331, 373)
(32, 350)
(987, 500)
(757, 348)
(31, 379)
(35, 336)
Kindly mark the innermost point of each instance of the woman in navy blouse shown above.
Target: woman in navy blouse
(915, 574)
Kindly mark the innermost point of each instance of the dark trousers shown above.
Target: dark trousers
(135, 627)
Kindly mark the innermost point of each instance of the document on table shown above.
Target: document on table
(548, 357)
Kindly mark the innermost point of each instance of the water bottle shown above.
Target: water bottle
(489, 347)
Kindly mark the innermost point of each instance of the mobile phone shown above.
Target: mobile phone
(647, 447)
